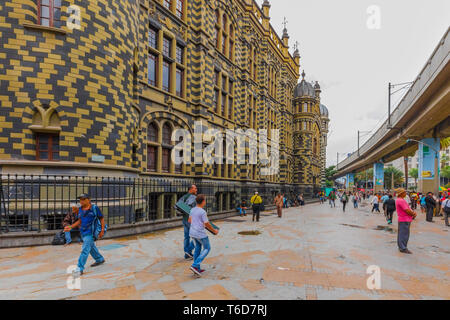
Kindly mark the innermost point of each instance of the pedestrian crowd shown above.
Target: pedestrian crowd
(86, 219)
(400, 201)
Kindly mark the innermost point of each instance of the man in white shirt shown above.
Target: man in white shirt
(375, 203)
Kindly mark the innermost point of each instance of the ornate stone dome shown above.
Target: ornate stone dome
(324, 110)
(304, 88)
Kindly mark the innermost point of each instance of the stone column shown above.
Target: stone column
(378, 177)
(429, 165)
(350, 181)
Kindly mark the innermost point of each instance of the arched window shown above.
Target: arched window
(166, 134)
(232, 41)
(166, 147)
(152, 133)
(254, 64)
(152, 148)
(224, 23)
(217, 29)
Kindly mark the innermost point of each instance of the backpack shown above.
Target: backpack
(97, 225)
(422, 202)
(59, 239)
(182, 209)
(447, 207)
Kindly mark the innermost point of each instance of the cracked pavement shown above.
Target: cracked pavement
(313, 252)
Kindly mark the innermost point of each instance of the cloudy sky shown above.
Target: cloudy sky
(353, 63)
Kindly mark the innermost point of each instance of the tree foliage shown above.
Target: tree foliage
(445, 143)
(398, 176)
(330, 172)
(414, 173)
(445, 172)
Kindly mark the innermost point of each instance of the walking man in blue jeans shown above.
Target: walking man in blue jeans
(189, 199)
(87, 214)
(199, 221)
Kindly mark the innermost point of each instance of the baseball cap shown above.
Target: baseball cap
(84, 196)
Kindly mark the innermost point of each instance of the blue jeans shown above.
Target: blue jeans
(188, 244)
(89, 248)
(199, 253)
(69, 237)
(242, 211)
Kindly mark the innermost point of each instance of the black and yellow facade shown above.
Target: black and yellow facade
(97, 87)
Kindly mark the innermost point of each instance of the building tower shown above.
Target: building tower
(309, 140)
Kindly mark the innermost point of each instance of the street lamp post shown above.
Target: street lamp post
(392, 86)
(360, 136)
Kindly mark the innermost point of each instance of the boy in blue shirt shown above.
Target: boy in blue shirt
(87, 214)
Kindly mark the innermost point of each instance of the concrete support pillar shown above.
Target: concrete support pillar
(350, 181)
(429, 165)
(378, 177)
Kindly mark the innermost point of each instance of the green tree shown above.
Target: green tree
(444, 160)
(364, 175)
(445, 143)
(414, 172)
(446, 172)
(398, 177)
(329, 173)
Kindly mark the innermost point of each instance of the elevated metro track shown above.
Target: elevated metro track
(424, 112)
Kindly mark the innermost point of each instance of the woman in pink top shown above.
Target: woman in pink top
(405, 217)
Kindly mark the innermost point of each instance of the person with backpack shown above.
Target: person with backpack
(256, 202)
(446, 209)
(344, 200)
(332, 198)
(390, 208)
(88, 213)
(355, 199)
(187, 201)
(384, 198)
(375, 203)
(423, 204)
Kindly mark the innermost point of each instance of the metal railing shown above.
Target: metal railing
(40, 202)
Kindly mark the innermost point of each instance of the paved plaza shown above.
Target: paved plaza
(313, 252)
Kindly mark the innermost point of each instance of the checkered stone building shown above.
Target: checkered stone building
(96, 88)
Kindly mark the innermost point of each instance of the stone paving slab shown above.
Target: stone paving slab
(314, 252)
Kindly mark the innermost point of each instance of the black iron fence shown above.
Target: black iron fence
(40, 202)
